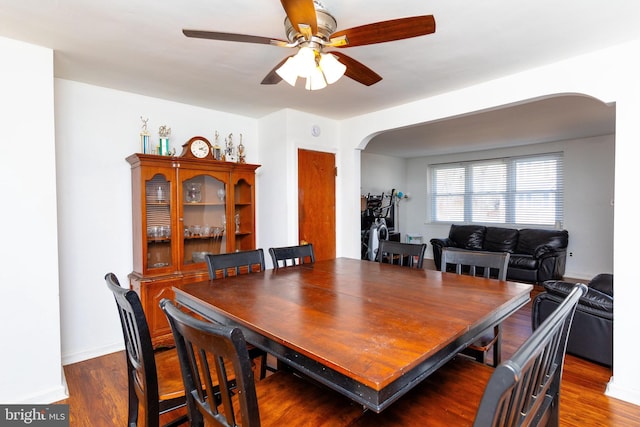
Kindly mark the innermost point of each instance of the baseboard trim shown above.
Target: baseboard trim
(622, 393)
(68, 359)
(46, 397)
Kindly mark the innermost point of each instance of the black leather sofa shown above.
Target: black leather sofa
(591, 335)
(537, 255)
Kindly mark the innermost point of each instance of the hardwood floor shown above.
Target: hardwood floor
(98, 387)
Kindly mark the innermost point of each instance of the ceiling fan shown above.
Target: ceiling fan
(311, 29)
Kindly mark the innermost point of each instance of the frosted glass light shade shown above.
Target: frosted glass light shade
(316, 80)
(331, 67)
(289, 71)
(306, 61)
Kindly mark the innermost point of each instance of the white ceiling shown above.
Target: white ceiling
(138, 46)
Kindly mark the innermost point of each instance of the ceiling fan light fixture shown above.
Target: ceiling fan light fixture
(331, 67)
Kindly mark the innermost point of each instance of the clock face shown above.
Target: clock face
(199, 148)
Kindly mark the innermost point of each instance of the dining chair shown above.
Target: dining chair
(292, 255)
(233, 264)
(522, 391)
(488, 265)
(409, 254)
(154, 378)
(284, 398)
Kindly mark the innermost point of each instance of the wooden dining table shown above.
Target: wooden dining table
(370, 331)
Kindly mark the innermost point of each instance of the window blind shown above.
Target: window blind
(514, 190)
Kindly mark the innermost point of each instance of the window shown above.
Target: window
(515, 190)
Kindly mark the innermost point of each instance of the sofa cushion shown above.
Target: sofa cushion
(468, 236)
(498, 239)
(529, 239)
(603, 283)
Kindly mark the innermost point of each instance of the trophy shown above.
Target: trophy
(145, 138)
(163, 142)
(241, 153)
(217, 151)
(230, 150)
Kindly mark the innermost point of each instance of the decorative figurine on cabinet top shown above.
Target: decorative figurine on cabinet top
(217, 151)
(241, 153)
(230, 151)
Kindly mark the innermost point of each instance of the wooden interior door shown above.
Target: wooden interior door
(317, 202)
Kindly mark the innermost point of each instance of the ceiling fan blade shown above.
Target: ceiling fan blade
(232, 37)
(301, 12)
(272, 78)
(385, 31)
(357, 70)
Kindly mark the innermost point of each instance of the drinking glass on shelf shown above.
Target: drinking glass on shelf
(221, 194)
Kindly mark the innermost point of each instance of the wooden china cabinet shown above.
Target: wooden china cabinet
(183, 208)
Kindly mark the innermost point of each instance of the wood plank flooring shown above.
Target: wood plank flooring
(98, 387)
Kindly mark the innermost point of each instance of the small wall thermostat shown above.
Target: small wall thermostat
(315, 130)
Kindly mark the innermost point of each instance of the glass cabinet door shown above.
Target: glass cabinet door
(204, 218)
(243, 214)
(158, 232)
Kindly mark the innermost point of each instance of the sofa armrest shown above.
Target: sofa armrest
(546, 251)
(592, 300)
(443, 243)
(438, 244)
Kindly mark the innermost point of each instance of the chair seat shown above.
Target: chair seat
(170, 385)
(285, 399)
(436, 401)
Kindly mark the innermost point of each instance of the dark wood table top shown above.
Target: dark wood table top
(371, 331)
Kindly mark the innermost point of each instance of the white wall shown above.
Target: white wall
(382, 174)
(96, 129)
(30, 365)
(589, 186)
(609, 75)
(281, 135)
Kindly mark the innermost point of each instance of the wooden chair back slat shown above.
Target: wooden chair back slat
(476, 262)
(234, 263)
(406, 254)
(287, 256)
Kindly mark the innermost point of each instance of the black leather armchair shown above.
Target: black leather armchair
(591, 334)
